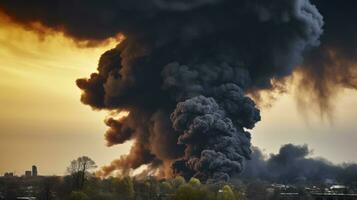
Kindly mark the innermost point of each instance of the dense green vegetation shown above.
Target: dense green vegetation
(119, 188)
(130, 188)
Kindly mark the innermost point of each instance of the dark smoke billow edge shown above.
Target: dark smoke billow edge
(205, 74)
(293, 164)
(331, 67)
(325, 73)
(191, 60)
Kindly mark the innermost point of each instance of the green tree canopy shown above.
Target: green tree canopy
(187, 192)
(226, 193)
(124, 188)
(78, 169)
(178, 181)
(165, 187)
(194, 182)
(76, 195)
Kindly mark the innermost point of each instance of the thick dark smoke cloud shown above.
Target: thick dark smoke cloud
(214, 146)
(191, 60)
(333, 65)
(292, 164)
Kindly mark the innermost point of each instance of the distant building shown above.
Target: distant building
(320, 196)
(28, 173)
(289, 196)
(34, 170)
(339, 189)
(8, 174)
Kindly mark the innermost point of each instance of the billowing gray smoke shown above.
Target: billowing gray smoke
(182, 71)
(292, 164)
(215, 146)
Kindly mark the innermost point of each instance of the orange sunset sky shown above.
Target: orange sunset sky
(43, 122)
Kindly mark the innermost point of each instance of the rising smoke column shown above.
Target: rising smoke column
(215, 146)
(200, 78)
(182, 72)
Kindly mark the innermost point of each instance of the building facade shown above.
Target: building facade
(34, 170)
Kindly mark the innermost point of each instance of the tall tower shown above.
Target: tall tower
(34, 170)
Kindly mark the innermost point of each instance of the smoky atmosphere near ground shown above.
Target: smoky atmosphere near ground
(178, 99)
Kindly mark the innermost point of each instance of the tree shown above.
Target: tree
(78, 169)
(187, 192)
(256, 191)
(75, 195)
(226, 193)
(48, 187)
(194, 182)
(239, 194)
(178, 181)
(12, 189)
(165, 188)
(124, 188)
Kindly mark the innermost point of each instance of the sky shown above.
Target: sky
(43, 122)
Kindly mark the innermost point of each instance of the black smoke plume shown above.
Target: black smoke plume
(182, 71)
(293, 164)
(333, 65)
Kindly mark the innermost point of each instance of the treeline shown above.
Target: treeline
(82, 184)
(130, 188)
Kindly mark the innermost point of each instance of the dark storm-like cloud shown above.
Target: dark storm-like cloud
(182, 71)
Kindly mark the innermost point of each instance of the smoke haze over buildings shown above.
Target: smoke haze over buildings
(294, 164)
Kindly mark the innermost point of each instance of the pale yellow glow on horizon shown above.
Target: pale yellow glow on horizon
(42, 118)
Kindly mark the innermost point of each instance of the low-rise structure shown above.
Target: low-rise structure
(9, 174)
(28, 173)
(290, 196)
(325, 196)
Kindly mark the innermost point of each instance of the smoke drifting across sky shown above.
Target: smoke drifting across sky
(183, 69)
(333, 65)
(292, 164)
